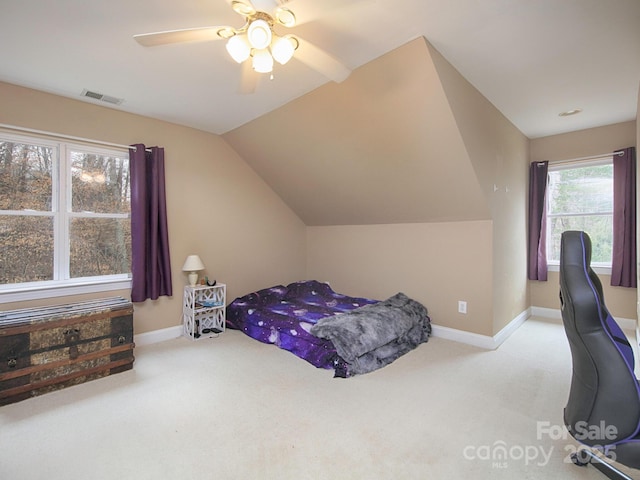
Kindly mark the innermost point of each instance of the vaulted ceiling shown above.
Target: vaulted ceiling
(531, 59)
(400, 140)
(385, 146)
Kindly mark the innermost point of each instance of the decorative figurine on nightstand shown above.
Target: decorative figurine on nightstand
(211, 284)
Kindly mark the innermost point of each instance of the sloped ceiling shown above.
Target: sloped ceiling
(531, 58)
(380, 148)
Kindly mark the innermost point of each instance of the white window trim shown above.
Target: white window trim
(554, 265)
(30, 291)
(75, 286)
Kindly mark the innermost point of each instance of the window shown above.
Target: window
(580, 197)
(64, 214)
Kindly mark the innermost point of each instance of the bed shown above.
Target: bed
(330, 330)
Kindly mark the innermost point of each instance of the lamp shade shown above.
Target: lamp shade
(193, 264)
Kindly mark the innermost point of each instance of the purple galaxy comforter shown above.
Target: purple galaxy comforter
(284, 316)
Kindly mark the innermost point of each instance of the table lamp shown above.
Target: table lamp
(193, 264)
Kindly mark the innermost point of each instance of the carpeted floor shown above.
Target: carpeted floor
(232, 408)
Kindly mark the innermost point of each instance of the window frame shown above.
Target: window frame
(554, 265)
(62, 214)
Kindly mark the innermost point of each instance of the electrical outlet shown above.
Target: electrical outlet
(462, 306)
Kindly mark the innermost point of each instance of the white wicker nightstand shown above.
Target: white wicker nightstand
(204, 311)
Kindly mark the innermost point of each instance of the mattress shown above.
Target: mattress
(283, 316)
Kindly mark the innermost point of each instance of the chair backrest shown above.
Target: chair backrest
(604, 391)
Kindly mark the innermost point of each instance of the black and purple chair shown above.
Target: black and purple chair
(603, 409)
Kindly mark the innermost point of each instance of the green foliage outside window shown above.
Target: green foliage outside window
(581, 198)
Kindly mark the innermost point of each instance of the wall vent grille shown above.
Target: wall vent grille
(102, 97)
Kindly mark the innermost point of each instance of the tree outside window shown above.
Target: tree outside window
(581, 198)
(64, 212)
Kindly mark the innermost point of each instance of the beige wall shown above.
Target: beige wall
(620, 301)
(499, 157)
(251, 239)
(452, 237)
(381, 147)
(435, 263)
(217, 206)
(428, 149)
(481, 262)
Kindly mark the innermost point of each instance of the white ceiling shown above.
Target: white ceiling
(531, 58)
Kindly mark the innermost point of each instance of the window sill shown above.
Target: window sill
(555, 267)
(27, 292)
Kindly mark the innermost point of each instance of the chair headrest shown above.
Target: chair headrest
(575, 249)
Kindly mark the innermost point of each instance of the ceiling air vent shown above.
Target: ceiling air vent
(102, 97)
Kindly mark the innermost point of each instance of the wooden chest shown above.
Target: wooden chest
(48, 348)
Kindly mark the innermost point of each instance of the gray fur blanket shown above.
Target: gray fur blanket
(370, 337)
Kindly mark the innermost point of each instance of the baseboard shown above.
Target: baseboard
(461, 336)
(511, 327)
(482, 341)
(157, 336)
(553, 313)
(556, 314)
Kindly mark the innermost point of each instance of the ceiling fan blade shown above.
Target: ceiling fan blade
(321, 61)
(248, 78)
(202, 34)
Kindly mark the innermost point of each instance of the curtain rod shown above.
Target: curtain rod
(582, 159)
(68, 137)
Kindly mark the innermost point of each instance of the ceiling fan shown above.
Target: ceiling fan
(257, 44)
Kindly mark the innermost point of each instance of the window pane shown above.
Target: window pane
(581, 190)
(99, 183)
(599, 228)
(100, 246)
(25, 176)
(26, 249)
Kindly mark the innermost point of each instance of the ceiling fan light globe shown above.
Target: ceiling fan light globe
(238, 48)
(259, 34)
(262, 61)
(282, 49)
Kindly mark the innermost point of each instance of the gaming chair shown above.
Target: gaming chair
(603, 409)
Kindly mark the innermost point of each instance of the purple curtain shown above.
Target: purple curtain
(623, 264)
(537, 252)
(150, 262)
